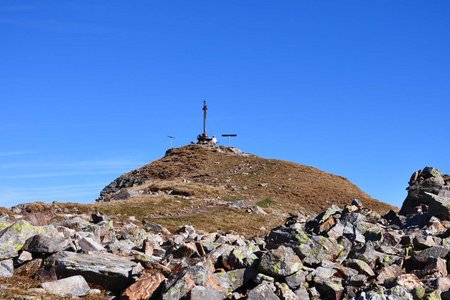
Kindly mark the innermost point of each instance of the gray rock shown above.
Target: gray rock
(284, 292)
(24, 257)
(243, 256)
(108, 270)
(232, 280)
(88, 244)
(280, 262)
(432, 252)
(67, 287)
(14, 236)
(295, 280)
(6, 268)
(427, 188)
(121, 247)
(206, 293)
(264, 291)
(329, 288)
(179, 285)
(361, 266)
(43, 243)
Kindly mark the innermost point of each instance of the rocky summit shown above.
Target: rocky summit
(344, 252)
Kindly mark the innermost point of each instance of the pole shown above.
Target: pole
(205, 109)
(171, 141)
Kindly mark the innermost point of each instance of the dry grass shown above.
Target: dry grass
(192, 183)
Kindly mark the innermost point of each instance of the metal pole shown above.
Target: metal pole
(205, 109)
(171, 141)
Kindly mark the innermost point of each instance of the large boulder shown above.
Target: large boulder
(42, 243)
(108, 270)
(13, 237)
(428, 191)
(280, 262)
(67, 287)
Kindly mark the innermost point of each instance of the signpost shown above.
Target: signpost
(229, 136)
(171, 141)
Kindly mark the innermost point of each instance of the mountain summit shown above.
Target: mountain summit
(212, 178)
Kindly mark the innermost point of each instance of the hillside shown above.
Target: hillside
(202, 185)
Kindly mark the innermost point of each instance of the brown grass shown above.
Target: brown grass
(193, 182)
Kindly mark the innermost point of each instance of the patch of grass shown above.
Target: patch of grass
(268, 202)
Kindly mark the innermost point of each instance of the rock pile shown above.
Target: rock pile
(428, 190)
(342, 253)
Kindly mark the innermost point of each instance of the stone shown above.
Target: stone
(121, 247)
(107, 270)
(232, 280)
(264, 291)
(434, 265)
(98, 217)
(399, 292)
(280, 262)
(186, 250)
(30, 268)
(361, 266)
(67, 287)
(302, 293)
(358, 203)
(206, 293)
(14, 236)
(180, 284)
(329, 289)
(46, 274)
(389, 274)
(143, 288)
(425, 192)
(242, 257)
(88, 244)
(260, 278)
(285, 293)
(24, 257)
(42, 243)
(295, 280)
(433, 252)
(155, 228)
(6, 268)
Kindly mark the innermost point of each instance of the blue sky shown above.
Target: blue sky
(91, 89)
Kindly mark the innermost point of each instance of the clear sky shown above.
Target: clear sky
(91, 89)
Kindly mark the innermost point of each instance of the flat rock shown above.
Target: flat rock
(67, 287)
(88, 244)
(108, 270)
(143, 288)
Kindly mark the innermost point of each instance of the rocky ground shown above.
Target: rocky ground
(348, 252)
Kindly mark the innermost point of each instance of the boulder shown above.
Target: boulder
(264, 291)
(206, 293)
(144, 288)
(107, 270)
(427, 191)
(42, 243)
(87, 244)
(14, 236)
(6, 268)
(280, 262)
(68, 287)
(30, 268)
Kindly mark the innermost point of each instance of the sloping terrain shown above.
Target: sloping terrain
(200, 184)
